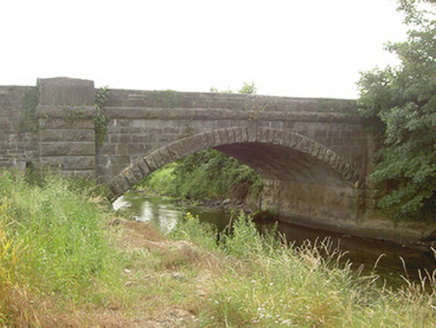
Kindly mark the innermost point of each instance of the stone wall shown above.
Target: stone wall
(142, 121)
(18, 143)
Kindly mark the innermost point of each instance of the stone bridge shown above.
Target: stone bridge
(311, 153)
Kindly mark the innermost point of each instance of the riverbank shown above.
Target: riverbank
(66, 261)
(413, 235)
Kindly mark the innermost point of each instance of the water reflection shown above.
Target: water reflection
(165, 212)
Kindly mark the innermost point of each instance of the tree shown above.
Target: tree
(400, 106)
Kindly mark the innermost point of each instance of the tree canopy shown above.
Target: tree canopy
(400, 106)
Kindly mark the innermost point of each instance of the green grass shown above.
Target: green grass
(66, 262)
(52, 243)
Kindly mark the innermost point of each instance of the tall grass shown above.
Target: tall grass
(56, 259)
(266, 283)
(51, 243)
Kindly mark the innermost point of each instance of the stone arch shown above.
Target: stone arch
(147, 164)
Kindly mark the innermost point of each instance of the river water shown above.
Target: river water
(390, 257)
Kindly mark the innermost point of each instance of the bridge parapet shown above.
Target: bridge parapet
(207, 100)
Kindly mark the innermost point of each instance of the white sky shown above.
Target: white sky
(295, 48)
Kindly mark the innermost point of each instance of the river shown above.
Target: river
(390, 257)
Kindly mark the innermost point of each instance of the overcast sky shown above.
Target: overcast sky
(295, 48)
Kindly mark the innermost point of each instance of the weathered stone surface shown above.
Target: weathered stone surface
(75, 163)
(65, 135)
(66, 91)
(129, 175)
(142, 165)
(51, 123)
(67, 148)
(68, 112)
(300, 145)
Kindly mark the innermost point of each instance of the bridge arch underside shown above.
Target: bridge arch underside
(304, 181)
(297, 186)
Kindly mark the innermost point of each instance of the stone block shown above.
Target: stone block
(142, 165)
(128, 174)
(136, 171)
(82, 148)
(69, 112)
(166, 156)
(174, 151)
(237, 134)
(134, 149)
(67, 148)
(50, 123)
(115, 188)
(66, 91)
(315, 150)
(53, 149)
(80, 163)
(149, 160)
(67, 135)
(72, 163)
(305, 145)
(119, 184)
(199, 142)
(157, 158)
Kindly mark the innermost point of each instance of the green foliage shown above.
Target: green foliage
(167, 98)
(247, 88)
(54, 241)
(208, 174)
(190, 228)
(28, 121)
(242, 238)
(100, 119)
(400, 105)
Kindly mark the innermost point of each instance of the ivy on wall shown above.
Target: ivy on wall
(100, 119)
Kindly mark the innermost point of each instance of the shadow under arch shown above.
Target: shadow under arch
(222, 139)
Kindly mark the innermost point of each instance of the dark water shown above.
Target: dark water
(392, 259)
